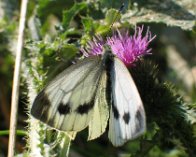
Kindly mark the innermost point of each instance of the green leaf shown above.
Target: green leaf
(46, 7)
(111, 4)
(172, 13)
(112, 16)
(87, 23)
(68, 15)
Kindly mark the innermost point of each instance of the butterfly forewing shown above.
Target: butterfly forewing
(127, 117)
(67, 102)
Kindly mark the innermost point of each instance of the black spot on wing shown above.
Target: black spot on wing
(41, 106)
(115, 111)
(64, 108)
(85, 108)
(126, 117)
(138, 115)
(139, 120)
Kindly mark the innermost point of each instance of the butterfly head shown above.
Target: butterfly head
(107, 53)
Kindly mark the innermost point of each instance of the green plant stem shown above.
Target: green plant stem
(18, 132)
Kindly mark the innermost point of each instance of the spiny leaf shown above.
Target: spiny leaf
(68, 15)
(172, 13)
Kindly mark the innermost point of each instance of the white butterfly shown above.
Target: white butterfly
(83, 93)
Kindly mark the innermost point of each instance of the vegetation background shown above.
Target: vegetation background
(56, 29)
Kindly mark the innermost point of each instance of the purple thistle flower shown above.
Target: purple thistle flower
(127, 48)
(94, 47)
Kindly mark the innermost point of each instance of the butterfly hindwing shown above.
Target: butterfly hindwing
(67, 102)
(100, 115)
(127, 117)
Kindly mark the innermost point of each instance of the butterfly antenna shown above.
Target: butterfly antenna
(118, 14)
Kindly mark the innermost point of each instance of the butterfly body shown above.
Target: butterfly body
(82, 95)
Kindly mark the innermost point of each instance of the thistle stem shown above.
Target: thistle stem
(16, 80)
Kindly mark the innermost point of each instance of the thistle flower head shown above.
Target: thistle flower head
(93, 48)
(125, 47)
